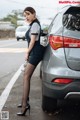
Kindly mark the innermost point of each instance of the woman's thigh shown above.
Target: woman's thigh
(29, 70)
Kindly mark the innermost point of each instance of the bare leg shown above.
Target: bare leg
(26, 82)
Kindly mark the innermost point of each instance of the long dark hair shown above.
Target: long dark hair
(30, 9)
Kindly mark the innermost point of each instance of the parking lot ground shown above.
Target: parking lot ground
(36, 112)
(35, 100)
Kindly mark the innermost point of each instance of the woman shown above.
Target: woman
(34, 54)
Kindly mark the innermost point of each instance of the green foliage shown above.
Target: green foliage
(45, 29)
(13, 17)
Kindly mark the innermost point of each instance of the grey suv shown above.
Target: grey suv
(60, 68)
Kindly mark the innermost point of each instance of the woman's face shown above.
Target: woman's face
(29, 17)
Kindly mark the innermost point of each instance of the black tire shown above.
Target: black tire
(23, 39)
(49, 104)
(17, 39)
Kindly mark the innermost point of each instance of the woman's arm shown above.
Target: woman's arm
(31, 45)
(35, 30)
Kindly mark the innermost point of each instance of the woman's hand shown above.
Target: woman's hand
(31, 45)
(27, 55)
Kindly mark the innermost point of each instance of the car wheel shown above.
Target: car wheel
(49, 104)
(23, 39)
(17, 39)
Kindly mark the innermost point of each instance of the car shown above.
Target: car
(20, 32)
(60, 67)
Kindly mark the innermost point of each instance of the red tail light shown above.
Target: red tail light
(62, 80)
(66, 42)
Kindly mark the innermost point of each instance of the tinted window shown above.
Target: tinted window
(71, 19)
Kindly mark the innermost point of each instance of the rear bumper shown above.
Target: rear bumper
(72, 95)
(69, 91)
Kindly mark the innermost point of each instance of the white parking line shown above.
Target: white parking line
(9, 44)
(12, 50)
(8, 88)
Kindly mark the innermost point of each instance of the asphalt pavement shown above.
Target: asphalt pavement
(15, 98)
(10, 108)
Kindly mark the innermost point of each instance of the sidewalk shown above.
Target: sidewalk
(35, 99)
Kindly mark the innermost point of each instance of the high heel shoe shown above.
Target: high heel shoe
(20, 105)
(22, 113)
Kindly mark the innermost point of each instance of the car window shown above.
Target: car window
(71, 19)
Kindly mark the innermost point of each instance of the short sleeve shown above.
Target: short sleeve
(35, 29)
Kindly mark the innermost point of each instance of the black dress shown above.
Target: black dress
(37, 52)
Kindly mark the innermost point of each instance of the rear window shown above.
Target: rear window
(71, 19)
